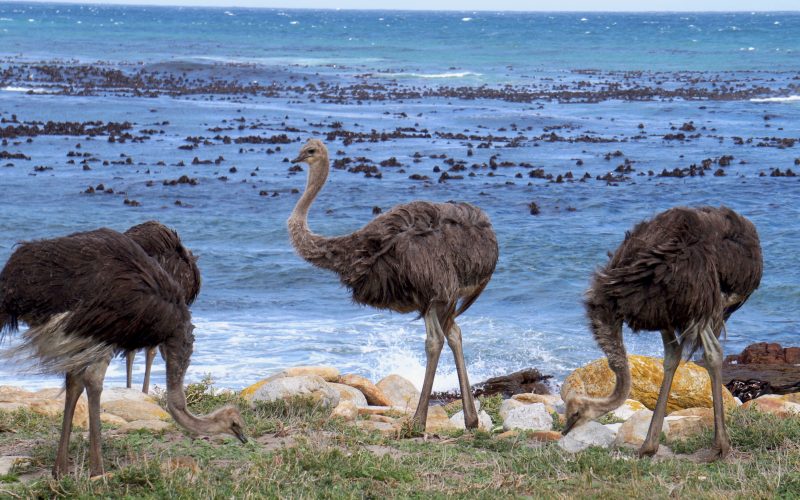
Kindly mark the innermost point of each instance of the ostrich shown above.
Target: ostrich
(682, 273)
(164, 245)
(418, 256)
(87, 297)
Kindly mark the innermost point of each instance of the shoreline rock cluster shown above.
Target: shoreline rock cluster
(128, 409)
(387, 406)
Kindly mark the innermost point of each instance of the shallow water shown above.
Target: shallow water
(262, 308)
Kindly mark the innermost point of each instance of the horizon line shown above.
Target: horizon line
(125, 3)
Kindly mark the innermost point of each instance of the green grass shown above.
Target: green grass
(326, 458)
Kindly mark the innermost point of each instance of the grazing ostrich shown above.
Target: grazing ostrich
(87, 297)
(683, 273)
(164, 245)
(419, 256)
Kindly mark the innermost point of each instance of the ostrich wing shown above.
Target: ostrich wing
(664, 274)
(97, 285)
(417, 254)
(164, 245)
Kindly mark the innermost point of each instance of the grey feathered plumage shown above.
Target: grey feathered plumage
(414, 256)
(432, 258)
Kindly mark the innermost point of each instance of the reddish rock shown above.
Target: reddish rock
(763, 353)
(792, 355)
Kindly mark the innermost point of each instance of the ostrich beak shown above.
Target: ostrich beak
(300, 158)
(240, 435)
(568, 426)
(237, 430)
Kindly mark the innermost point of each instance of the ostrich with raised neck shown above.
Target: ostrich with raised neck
(683, 273)
(87, 297)
(430, 258)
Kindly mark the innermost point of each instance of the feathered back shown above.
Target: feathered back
(417, 255)
(164, 245)
(739, 261)
(109, 288)
(671, 272)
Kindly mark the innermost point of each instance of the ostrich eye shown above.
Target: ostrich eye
(312, 151)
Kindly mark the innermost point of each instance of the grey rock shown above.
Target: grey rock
(587, 435)
(634, 430)
(533, 417)
(312, 386)
(508, 405)
(484, 420)
(348, 393)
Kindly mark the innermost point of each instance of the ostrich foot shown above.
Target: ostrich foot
(711, 455)
(60, 470)
(647, 450)
(417, 423)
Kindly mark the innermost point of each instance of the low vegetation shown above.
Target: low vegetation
(296, 450)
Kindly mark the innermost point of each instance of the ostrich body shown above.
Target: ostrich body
(87, 297)
(164, 245)
(417, 257)
(683, 273)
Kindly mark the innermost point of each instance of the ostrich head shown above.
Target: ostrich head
(581, 410)
(226, 420)
(315, 154)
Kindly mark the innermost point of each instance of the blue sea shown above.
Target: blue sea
(586, 115)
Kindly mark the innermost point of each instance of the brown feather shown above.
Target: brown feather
(111, 291)
(685, 267)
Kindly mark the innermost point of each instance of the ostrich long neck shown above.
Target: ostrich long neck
(610, 341)
(312, 247)
(178, 352)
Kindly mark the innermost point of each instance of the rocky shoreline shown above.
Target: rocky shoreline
(507, 406)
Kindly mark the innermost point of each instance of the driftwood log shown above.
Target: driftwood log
(527, 380)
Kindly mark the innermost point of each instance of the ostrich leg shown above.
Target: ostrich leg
(149, 357)
(129, 367)
(74, 389)
(93, 378)
(434, 341)
(713, 358)
(672, 358)
(454, 341)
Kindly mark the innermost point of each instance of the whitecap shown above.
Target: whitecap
(583, 19)
(460, 74)
(229, 13)
(466, 19)
(294, 22)
(791, 98)
(23, 89)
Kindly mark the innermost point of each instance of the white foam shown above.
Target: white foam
(791, 98)
(460, 74)
(466, 19)
(24, 89)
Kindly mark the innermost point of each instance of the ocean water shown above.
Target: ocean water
(504, 93)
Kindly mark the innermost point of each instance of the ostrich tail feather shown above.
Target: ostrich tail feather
(49, 348)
